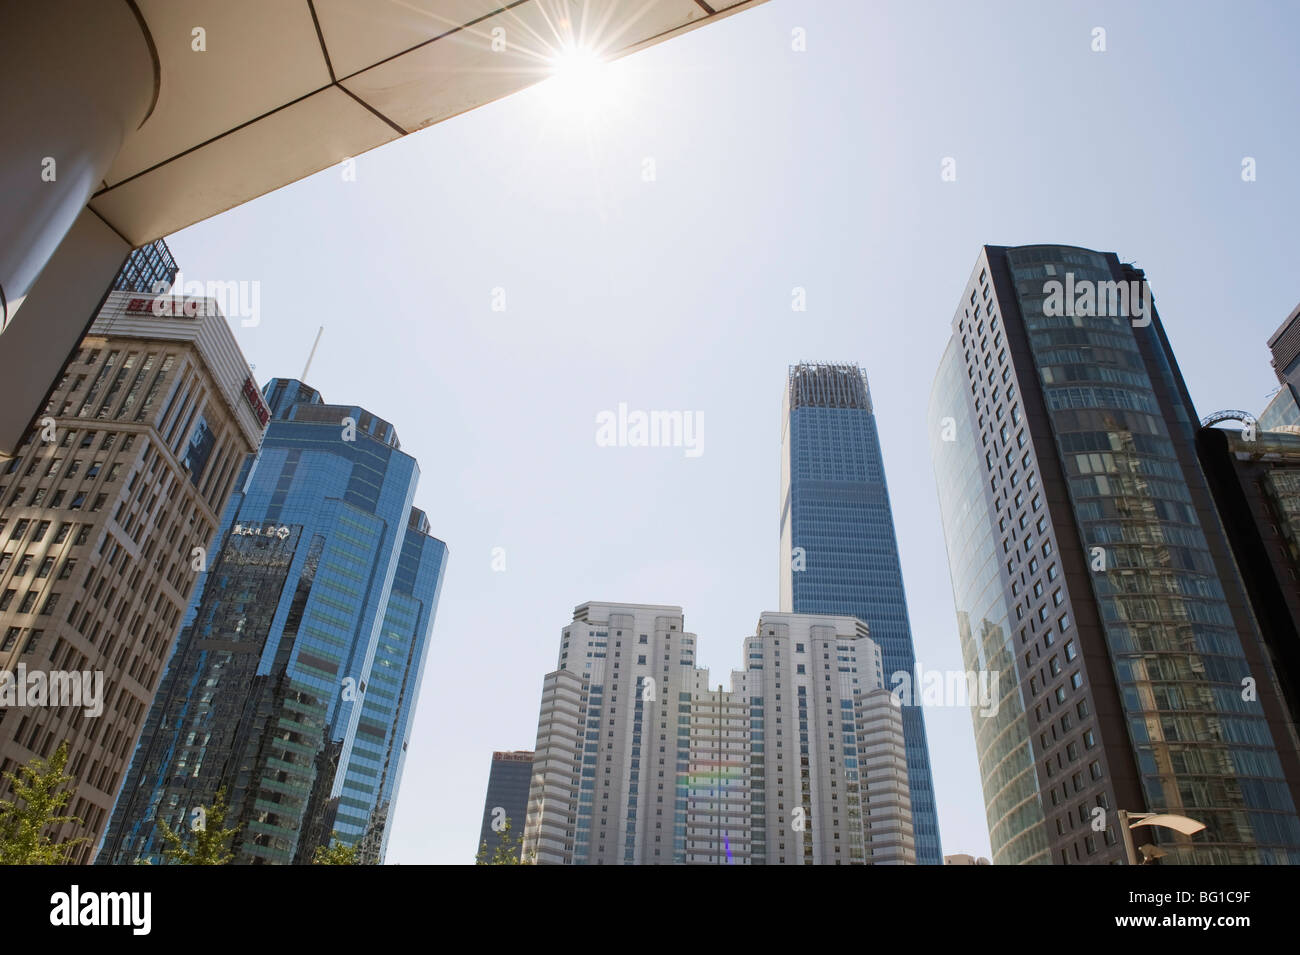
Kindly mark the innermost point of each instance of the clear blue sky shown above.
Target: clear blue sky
(775, 169)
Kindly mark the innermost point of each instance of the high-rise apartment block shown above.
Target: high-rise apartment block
(839, 553)
(296, 673)
(719, 780)
(106, 511)
(1091, 574)
(506, 800)
(613, 740)
(830, 775)
(640, 762)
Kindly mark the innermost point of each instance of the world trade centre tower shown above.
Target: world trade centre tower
(839, 554)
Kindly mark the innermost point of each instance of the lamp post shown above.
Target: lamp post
(1183, 824)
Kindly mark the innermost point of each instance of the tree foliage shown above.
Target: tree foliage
(337, 853)
(509, 851)
(39, 795)
(211, 843)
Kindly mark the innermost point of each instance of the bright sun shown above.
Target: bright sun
(580, 79)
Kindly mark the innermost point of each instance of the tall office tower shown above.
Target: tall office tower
(839, 554)
(103, 506)
(1254, 475)
(298, 665)
(149, 268)
(1255, 480)
(829, 778)
(507, 798)
(610, 780)
(1090, 573)
(755, 775)
(718, 776)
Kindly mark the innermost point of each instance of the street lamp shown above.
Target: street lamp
(1150, 853)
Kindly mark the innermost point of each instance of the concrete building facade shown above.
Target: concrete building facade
(107, 514)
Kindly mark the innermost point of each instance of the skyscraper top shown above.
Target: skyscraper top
(1285, 346)
(149, 268)
(827, 385)
(292, 400)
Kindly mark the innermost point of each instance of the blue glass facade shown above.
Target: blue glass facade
(839, 551)
(295, 675)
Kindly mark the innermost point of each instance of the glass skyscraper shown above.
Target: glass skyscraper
(839, 554)
(1091, 572)
(149, 268)
(296, 672)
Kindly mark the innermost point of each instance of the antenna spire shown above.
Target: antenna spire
(307, 367)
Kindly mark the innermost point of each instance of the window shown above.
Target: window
(47, 565)
(1070, 653)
